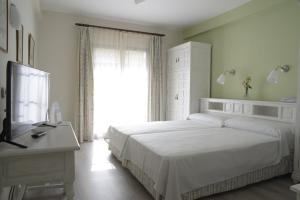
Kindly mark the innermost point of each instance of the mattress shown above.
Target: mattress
(118, 135)
(284, 167)
(182, 161)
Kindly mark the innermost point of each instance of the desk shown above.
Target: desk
(47, 159)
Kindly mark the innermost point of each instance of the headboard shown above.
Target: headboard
(278, 111)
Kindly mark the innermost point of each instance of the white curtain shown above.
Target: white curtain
(121, 63)
(121, 80)
(157, 81)
(84, 114)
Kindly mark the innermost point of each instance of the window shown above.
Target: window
(120, 88)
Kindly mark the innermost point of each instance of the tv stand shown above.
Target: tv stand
(14, 143)
(3, 135)
(49, 159)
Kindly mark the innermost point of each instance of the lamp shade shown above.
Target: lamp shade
(273, 77)
(221, 79)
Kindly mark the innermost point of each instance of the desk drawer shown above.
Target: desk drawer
(33, 165)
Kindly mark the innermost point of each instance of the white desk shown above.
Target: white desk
(47, 159)
(296, 188)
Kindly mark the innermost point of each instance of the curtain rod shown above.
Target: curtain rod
(119, 29)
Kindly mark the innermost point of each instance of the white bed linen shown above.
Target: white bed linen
(179, 162)
(118, 135)
(263, 126)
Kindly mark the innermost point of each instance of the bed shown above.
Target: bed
(193, 163)
(117, 136)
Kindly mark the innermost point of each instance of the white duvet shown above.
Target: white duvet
(118, 135)
(182, 161)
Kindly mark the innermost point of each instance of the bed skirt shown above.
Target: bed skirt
(284, 167)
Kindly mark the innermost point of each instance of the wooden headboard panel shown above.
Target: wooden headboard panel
(279, 111)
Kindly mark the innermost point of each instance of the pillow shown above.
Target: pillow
(263, 126)
(207, 118)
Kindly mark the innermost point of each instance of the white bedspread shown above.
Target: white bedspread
(179, 162)
(118, 135)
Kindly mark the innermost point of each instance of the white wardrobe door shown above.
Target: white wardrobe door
(172, 84)
(183, 84)
(186, 83)
(178, 85)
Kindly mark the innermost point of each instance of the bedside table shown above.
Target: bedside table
(296, 188)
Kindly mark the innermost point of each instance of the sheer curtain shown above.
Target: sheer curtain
(121, 66)
(121, 80)
(84, 110)
(157, 81)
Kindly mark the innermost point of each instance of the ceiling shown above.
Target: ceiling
(170, 13)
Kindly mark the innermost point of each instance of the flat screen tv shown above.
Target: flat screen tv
(27, 91)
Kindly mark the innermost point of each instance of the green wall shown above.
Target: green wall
(253, 46)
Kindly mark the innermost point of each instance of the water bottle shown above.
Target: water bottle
(55, 113)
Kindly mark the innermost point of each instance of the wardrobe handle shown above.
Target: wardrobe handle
(176, 97)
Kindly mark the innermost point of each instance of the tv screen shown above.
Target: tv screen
(27, 98)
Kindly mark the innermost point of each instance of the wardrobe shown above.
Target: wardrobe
(296, 171)
(188, 78)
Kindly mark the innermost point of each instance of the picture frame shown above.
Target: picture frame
(31, 45)
(4, 25)
(19, 43)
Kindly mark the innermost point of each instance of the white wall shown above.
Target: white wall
(58, 53)
(29, 11)
(29, 14)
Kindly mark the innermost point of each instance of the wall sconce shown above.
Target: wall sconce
(273, 77)
(221, 78)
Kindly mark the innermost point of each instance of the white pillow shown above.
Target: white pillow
(267, 127)
(208, 118)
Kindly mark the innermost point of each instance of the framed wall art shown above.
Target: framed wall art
(19, 49)
(31, 45)
(4, 25)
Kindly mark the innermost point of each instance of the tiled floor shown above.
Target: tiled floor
(99, 176)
